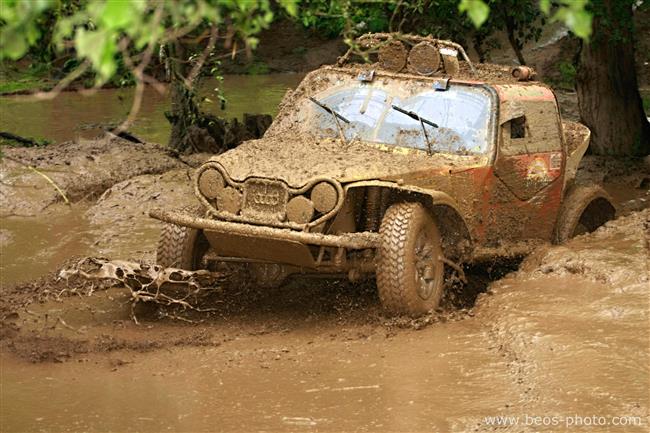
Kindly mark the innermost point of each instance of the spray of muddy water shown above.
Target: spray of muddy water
(168, 287)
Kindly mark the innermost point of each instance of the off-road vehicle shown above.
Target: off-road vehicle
(404, 169)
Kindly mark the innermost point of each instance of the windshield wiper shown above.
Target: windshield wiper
(336, 115)
(416, 116)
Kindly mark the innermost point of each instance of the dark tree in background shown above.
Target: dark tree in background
(608, 94)
(521, 19)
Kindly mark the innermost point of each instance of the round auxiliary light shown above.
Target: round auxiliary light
(211, 183)
(392, 56)
(229, 200)
(300, 210)
(324, 197)
(424, 59)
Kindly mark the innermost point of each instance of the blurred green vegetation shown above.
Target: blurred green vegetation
(567, 77)
(14, 79)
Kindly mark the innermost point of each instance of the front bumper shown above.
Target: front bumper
(352, 241)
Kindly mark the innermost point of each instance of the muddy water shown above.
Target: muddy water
(565, 337)
(35, 246)
(31, 247)
(70, 115)
(290, 382)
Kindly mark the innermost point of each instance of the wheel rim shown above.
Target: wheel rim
(425, 265)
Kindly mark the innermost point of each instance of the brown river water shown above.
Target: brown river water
(70, 116)
(562, 344)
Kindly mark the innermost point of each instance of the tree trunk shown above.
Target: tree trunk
(183, 115)
(184, 110)
(514, 43)
(608, 94)
(195, 131)
(478, 47)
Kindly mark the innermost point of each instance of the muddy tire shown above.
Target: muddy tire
(410, 272)
(584, 209)
(181, 247)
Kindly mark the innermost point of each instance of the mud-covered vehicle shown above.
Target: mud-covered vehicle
(404, 169)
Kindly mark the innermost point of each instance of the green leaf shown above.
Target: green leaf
(580, 23)
(119, 14)
(12, 45)
(545, 6)
(576, 18)
(291, 6)
(477, 11)
(100, 49)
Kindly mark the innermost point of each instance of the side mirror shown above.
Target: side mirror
(510, 110)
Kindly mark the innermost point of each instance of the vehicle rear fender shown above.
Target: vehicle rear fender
(576, 138)
(584, 209)
(457, 242)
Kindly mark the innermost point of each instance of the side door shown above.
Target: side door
(528, 171)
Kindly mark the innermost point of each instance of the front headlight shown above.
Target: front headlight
(300, 210)
(324, 197)
(211, 183)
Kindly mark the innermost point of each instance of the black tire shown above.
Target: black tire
(181, 247)
(410, 271)
(583, 210)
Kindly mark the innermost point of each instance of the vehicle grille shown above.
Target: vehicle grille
(264, 198)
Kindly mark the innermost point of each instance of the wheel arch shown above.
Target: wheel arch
(454, 230)
(589, 205)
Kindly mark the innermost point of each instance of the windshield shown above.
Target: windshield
(461, 113)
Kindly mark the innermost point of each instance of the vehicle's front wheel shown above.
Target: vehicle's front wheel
(181, 247)
(410, 270)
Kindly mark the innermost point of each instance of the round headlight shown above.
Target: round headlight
(229, 200)
(211, 182)
(300, 210)
(324, 196)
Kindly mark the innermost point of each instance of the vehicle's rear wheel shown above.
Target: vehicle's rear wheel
(410, 270)
(268, 275)
(584, 209)
(181, 247)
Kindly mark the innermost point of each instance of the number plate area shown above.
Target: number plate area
(265, 199)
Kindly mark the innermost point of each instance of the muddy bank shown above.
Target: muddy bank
(286, 47)
(120, 219)
(627, 180)
(573, 323)
(33, 179)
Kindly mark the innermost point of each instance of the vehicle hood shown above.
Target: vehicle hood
(297, 160)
